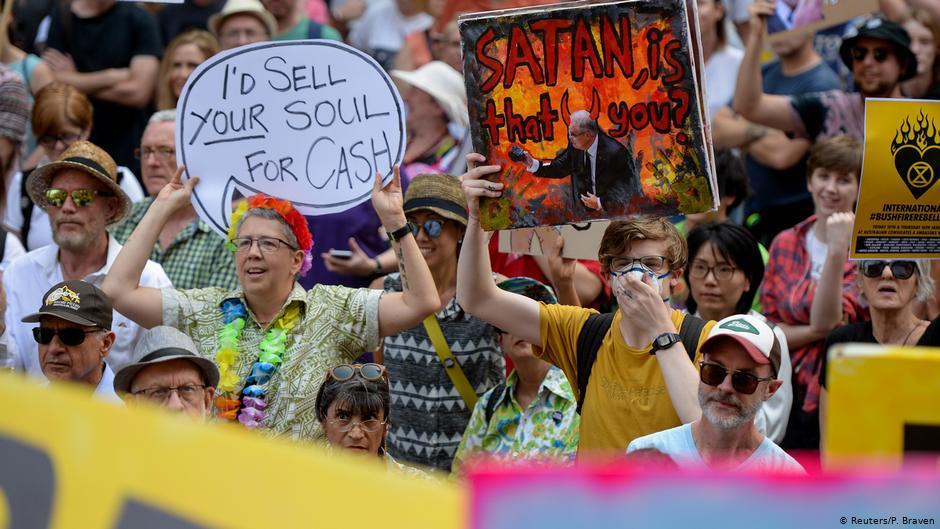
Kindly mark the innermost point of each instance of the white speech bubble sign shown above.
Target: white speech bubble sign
(307, 121)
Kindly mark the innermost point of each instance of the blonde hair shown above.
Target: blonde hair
(207, 45)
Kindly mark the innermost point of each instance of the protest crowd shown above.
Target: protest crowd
(398, 328)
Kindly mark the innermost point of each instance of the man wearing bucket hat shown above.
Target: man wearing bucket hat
(534, 414)
(437, 119)
(741, 358)
(876, 50)
(81, 195)
(168, 372)
(437, 368)
(74, 336)
(242, 22)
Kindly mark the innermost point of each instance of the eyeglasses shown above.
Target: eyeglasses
(82, 198)
(722, 272)
(433, 227)
(345, 424)
(880, 54)
(162, 153)
(743, 382)
(69, 335)
(370, 371)
(899, 269)
(265, 244)
(191, 393)
(620, 265)
(49, 140)
(246, 33)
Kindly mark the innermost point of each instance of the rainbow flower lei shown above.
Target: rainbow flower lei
(248, 405)
(293, 218)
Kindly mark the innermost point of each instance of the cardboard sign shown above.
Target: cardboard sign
(799, 17)
(624, 497)
(68, 460)
(592, 110)
(581, 240)
(307, 121)
(899, 421)
(898, 211)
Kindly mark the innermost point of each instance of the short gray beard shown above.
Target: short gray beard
(723, 422)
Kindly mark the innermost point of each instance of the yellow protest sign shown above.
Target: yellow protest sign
(70, 461)
(882, 404)
(898, 212)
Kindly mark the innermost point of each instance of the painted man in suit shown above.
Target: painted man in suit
(602, 175)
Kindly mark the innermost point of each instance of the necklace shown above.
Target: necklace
(908, 337)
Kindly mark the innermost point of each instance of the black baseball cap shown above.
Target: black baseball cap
(876, 27)
(75, 301)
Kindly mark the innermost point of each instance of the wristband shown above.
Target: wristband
(400, 233)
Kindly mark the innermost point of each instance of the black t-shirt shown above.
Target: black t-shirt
(109, 40)
(177, 18)
(864, 333)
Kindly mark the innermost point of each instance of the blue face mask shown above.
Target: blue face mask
(638, 271)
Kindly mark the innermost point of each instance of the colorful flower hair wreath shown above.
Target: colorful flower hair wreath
(295, 221)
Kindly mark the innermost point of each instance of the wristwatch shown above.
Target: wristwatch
(664, 340)
(400, 233)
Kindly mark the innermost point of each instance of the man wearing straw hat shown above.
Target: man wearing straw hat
(242, 22)
(81, 195)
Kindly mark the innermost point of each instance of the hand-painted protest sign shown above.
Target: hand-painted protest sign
(799, 17)
(592, 110)
(900, 424)
(308, 121)
(90, 464)
(581, 240)
(898, 211)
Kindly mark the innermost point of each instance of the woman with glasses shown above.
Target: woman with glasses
(429, 409)
(891, 288)
(353, 407)
(724, 272)
(62, 115)
(273, 341)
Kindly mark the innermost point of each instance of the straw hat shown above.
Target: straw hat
(440, 193)
(247, 7)
(444, 84)
(84, 156)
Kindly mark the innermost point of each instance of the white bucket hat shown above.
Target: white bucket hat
(444, 84)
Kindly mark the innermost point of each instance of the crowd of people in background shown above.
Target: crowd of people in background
(397, 329)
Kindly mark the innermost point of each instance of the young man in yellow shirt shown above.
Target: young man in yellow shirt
(642, 379)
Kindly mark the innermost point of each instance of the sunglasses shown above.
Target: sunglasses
(432, 227)
(81, 197)
(370, 371)
(742, 382)
(69, 335)
(899, 269)
(880, 54)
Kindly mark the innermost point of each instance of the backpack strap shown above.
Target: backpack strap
(495, 397)
(26, 208)
(589, 342)
(689, 332)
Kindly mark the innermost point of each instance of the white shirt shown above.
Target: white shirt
(30, 276)
(817, 251)
(383, 27)
(11, 250)
(721, 73)
(40, 232)
(679, 444)
(105, 388)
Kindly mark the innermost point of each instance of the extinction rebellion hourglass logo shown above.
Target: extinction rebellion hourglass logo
(916, 150)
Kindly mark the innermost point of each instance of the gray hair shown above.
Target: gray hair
(925, 282)
(163, 116)
(266, 213)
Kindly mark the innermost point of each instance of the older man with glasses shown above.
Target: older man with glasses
(741, 358)
(75, 337)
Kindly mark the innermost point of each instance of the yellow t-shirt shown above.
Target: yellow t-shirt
(626, 394)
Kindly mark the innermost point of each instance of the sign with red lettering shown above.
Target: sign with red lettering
(593, 111)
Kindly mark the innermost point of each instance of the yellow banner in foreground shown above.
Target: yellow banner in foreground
(898, 212)
(70, 461)
(883, 404)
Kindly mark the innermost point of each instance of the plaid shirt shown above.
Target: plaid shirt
(198, 257)
(787, 296)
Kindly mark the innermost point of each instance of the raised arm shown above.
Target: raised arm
(402, 310)
(825, 313)
(122, 284)
(749, 98)
(477, 293)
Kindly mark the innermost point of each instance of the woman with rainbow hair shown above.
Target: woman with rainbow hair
(273, 341)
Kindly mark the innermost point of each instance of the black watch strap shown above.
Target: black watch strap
(400, 233)
(664, 340)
